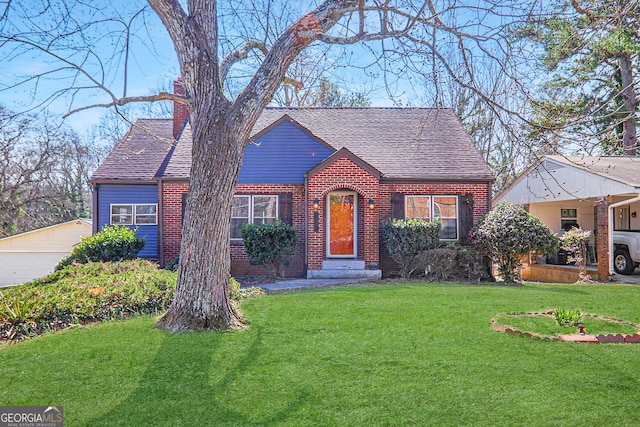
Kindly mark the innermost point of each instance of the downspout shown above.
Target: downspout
(306, 225)
(94, 205)
(610, 227)
(160, 224)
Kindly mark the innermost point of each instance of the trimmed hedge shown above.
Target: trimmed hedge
(407, 239)
(270, 244)
(116, 243)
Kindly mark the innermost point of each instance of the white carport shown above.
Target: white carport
(588, 190)
(28, 256)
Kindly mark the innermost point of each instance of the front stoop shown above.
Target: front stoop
(344, 269)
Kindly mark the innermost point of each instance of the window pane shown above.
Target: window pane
(236, 227)
(122, 214)
(145, 209)
(240, 207)
(449, 229)
(568, 213)
(265, 207)
(417, 207)
(445, 207)
(146, 219)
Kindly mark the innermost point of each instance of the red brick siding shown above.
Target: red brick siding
(172, 218)
(344, 174)
(172, 225)
(481, 200)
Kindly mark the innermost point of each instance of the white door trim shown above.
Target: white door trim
(328, 222)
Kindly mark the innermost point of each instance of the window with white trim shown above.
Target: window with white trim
(254, 209)
(568, 219)
(435, 208)
(134, 214)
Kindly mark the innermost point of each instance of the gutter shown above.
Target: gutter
(610, 227)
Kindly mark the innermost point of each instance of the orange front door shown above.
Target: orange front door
(342, 238)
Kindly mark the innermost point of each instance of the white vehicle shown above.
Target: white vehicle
(626, 255)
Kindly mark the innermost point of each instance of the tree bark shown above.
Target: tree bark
(201, 300)
(629, 136)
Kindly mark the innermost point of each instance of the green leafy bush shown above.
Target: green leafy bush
(115, 243)
(270, 244)
(508, 233)
(407, 239)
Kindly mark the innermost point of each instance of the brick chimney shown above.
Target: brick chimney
(180, 111)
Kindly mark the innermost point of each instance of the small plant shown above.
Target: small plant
(173, 264)
(567, 318)
(408, 239)
(116, 243)
(270, 244)
(574, 242)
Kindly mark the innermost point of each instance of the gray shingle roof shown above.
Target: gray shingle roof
(402, 143)
(140, 153)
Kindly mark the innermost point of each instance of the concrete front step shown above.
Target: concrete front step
(344, 273)
(342, 264)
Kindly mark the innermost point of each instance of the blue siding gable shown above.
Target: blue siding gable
(109, 194)
(282, 155)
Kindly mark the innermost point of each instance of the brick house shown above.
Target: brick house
(335, 173)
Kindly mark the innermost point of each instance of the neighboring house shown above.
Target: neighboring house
(594, 193)
(335, 173)
(28, 256)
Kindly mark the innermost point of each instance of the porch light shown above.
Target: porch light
(371, 204)
(316, 204)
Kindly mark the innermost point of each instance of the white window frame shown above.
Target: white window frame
(251, 217)
(568, 218)
(134, 215)
(432, 198)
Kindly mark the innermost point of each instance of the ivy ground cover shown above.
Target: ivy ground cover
(396, 354)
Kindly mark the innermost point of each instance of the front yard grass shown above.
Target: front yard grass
(398, 354)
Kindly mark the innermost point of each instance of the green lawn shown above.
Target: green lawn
(399, 354)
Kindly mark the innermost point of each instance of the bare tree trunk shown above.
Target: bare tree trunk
(629, 137)
(202, 297)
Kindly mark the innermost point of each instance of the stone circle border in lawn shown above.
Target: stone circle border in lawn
(580, 338)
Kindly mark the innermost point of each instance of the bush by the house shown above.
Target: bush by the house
(114, 243)
(407, 239)
(271, 245)
(453, 263)
(507, 233)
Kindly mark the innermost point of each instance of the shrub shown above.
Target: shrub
(508, 233)
(270, 244)
(82, 293)
(454, 263)
(407, 239)
(173, 264)
(116, 243)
